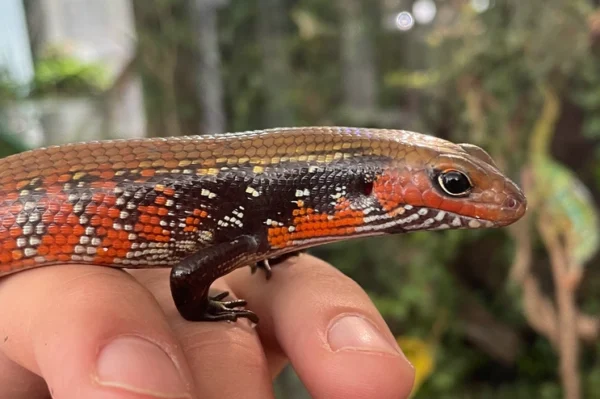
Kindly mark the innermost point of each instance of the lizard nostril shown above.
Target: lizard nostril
(511, 203)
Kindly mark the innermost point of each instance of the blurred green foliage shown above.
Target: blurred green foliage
(57, 73)
(469, 76)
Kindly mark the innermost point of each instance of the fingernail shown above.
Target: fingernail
(357, 333)
(137, 365)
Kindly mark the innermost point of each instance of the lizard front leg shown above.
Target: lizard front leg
(192, 278)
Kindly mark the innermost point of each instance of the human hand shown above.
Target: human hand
(95, 332)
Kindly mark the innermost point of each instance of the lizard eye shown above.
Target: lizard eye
(454, 183)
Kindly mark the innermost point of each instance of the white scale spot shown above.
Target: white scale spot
(22, 218)
(252, 191)
(440, 215)
(34, 241)
(27, 229)
(456, 222)
(474, 224)
(84, 240)
(302, 193)
(21, 242)
(91, 250)
(422, 211)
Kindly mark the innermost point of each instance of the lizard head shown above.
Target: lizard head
(433, 184)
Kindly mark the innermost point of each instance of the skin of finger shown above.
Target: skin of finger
(69, 313)
(227, 359)
(19, 383)
(298, 305)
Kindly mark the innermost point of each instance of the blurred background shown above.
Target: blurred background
(482, 314)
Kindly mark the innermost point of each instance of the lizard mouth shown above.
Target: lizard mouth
(421, 218)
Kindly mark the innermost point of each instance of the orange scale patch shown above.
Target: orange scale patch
(8, 220)
(21, 184)
(451, 205)
(412, 195)
(102, 210)
(47, 217)
(15, 231)
(14, 208)
(486, 212)
(468, 210)
(5, 257)
(72, 219)
(60, 239)
(155, 220)
(104, 184)
(107, 174)
(95, 221)
(60, 218)
(432, 199)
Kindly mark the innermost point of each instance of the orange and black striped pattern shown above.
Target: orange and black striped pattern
(154, 202)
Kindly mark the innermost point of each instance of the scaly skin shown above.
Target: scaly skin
(157, 202)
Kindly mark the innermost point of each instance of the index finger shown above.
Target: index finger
(91, 332)
(328, 327)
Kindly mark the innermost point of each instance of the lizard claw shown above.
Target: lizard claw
(218, 310)
(263, 265)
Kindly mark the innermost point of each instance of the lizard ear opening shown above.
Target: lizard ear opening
(478, 153)
(368, 188)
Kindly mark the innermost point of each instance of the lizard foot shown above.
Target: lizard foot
(218, 309)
